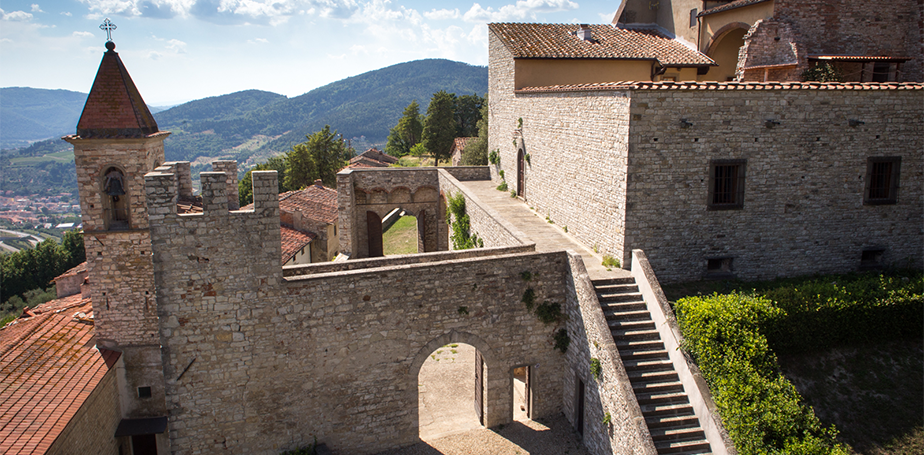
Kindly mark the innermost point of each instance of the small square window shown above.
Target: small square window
(693, 21)
(719, 267)
(871, 258)
(726, 184)
(144, 392)
(882, 180)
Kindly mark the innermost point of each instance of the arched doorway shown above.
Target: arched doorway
(451, 378)
(400, 233)
(724, 50)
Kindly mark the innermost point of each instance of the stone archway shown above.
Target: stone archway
(492, 400)
(724, 48)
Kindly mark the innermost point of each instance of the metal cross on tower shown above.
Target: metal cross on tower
(108, 26)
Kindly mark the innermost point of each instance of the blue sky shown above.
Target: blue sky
(181, 50)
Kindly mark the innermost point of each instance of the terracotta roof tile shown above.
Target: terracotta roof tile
(730, 5)
(362, 161)
(48, 368)
(114, 107)
(293, 241)
(609, 42)
(316, 202)
(636, 85)
(82, 267)
(375, 155)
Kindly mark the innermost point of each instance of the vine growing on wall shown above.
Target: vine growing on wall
(458, 220)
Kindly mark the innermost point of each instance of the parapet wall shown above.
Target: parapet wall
(485, 222)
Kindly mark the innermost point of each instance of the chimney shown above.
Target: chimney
(585, 33)
(318, 183)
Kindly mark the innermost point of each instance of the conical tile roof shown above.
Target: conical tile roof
(114, 106)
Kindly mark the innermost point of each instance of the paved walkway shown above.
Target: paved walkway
(548, 237)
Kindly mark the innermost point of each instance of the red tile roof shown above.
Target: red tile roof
(114, 107)
(48, 368)
(293, 241)
(362, 161)
(559, 41)
(730, 5)
(317, 202)
(636, 85)
(375, 154)
(82, 267)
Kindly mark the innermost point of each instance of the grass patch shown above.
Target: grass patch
(401, 237)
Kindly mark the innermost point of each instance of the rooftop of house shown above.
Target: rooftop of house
(375, 154)
(560, 41)
(49, 366)
(114, 107)
(726, 86)
(362, 161)
(730, 6)
(316, 202)
(77, 269)
(293, 241)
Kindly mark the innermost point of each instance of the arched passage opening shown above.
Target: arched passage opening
(724, 50)
(452, 385)
(400, 233)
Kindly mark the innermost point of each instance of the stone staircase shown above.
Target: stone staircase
(665, 406)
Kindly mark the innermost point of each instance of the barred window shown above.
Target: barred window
(882, 180)
(726, 184)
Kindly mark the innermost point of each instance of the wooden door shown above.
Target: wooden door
(521, 173)
(479, 386)
(374, 234)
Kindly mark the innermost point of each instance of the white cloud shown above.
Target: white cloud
(82, 34)
(154, 55)
(442, 14)
(258, 41)
(177, 46)
(15, 16)
(36, 9)
(66, 13)
(523, 9)
(607, 18)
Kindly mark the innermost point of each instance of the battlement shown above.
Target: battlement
(171, 182)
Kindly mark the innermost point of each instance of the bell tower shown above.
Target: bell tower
(117, 142)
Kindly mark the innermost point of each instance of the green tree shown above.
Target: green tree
(406, 134)
(274, 163)
(439, 126)
(476, 151)
(467, 111)
(34, 268)
(320, 157)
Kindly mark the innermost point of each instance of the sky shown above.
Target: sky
(182, 50)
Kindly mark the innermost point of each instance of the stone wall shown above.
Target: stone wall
(382, 190)
(609, 393)
(846, 27)
(92, 428)
(803, 209)
(466, 173)
(577, 148)
(256, 363)
(486, 223)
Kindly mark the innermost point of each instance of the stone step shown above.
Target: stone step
(623, 307)
(631, 325)
(662, 410)
(663, 398)
(651, 375)
(612, 281)
(694, 433)
(629, 357)
(656, 387)
(619, 298)
(700, 446)
(654, 364)
(628, 346)
(632, 315)
(617, 288)
(677, 421)
(619, 334)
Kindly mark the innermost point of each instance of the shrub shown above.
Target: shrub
(562, 340)
(458, 220)
(502, 186)
(494, 157)
(595, 368)
(549, 312)
(610, 262)
(760, 408)
(529, 298)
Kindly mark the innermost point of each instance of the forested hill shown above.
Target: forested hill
(243, 124)
(31, 114)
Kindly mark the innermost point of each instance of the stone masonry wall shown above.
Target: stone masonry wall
(577, 147)
(846, 27)
(485, 222)
(609, 393)
(93, 427)
(803, 208)
(258, 364)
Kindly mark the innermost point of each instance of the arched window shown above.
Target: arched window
(115, 199)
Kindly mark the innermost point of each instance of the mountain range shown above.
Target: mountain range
(254, 124)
